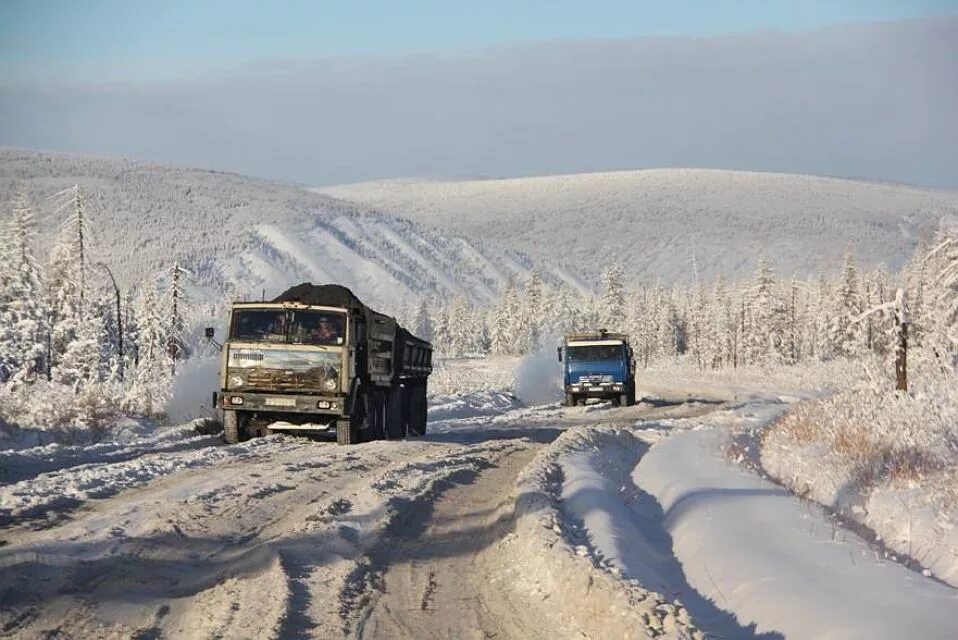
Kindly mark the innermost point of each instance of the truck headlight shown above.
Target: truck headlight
(575, 389)
(330, 384)
(236, 381)
(617, 387)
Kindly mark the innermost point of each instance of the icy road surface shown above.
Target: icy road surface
(504, 522)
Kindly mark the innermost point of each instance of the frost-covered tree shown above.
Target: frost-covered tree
(506, 322)
(63, 298)
(76, 233)
(24, 337)
(725, 325)
(877, 328)
(531, 315)
(79, 364)
(761, 315)
(422, 321)
(566, 311)
(792, 324)
(846, 334)
(701, 339)
(939, 303)
(176, 329)
(822, 345)
(151, 378)
(460, 332)
(441, 336)
(612, 300)
(8, 344)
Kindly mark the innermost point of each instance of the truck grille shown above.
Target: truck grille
(594, 379)
(285, 379)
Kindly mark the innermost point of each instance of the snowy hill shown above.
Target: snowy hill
(654, 221)
(241, 235)
(391, 241)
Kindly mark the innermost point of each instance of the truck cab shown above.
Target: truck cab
(598, 365)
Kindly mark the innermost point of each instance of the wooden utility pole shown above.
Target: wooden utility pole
(119, 317)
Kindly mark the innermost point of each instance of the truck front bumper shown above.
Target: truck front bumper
(324, 405)
(596, 390)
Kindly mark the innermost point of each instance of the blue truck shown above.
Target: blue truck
(598, 365)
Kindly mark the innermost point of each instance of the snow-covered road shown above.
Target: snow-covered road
(504, 521)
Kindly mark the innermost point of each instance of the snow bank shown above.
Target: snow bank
(559, 573)
(470, 405)
(126, 467)
(887, 460)
(465, 375)
(776, 561)
(131, 440)
(805, 379)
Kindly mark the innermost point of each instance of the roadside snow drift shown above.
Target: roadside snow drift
(777, 561)
(559, 573)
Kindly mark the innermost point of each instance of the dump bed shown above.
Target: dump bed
(406, 356)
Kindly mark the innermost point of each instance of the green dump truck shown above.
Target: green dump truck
(317, 360)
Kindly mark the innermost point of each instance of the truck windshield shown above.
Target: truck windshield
(315, 327)
(288, 326)
(259, 325)
(596, 352)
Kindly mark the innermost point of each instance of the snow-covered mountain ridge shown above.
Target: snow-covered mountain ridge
(393, 241)
(655, 221)
(240, 236)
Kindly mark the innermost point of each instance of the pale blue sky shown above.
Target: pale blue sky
(55, 41)
(328, 92)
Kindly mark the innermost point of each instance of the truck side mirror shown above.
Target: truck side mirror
(559, 353)
(210, 332)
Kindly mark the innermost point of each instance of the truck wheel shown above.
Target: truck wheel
(395, 420)
(231, 428)
(569, 400)
(346, 432)
(375, 427)
(416, 425)
(624, 400)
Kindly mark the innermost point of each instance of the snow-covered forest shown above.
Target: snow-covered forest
(75, 350)
(767, 319)
(64, 360)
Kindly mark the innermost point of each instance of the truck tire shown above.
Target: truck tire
(375, 424)
(230, 427)
(395, 413)
(346, 432)
(416, 423)
(569, 400)
(624, 400)
(234, 426)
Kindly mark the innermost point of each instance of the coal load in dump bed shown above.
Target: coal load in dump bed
(325, 295)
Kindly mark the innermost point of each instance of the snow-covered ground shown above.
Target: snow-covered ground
(883, 459)
(777, 561)
(658, 220)
(506, 519)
